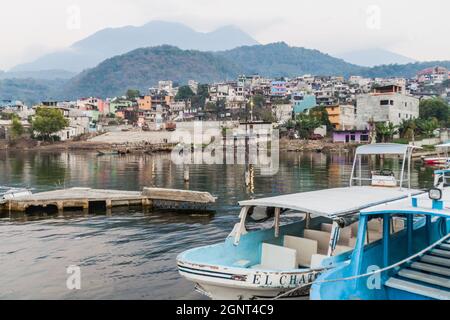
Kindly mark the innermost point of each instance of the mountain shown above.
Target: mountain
(143, 68)
(43, 74)
(110, 42)
(374, 57)
(30, 91)
(408, 70)
(281, 60)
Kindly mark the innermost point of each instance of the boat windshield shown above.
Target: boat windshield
(262, 218)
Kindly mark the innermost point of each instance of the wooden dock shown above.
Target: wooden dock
(87, 199)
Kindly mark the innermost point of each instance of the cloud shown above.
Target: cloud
(412, 28)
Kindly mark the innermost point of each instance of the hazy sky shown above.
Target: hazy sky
(418, 29)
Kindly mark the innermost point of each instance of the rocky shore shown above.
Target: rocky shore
(297, 145)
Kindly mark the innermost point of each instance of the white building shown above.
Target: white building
(385, 104)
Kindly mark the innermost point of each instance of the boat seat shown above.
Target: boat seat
(322, 238)
(341, 249)
(305, 248)
(354, 227)
(399, 224)
(242, 263)
(277, 258)
(316, 261)
(375, 225)
(345, 236)
(327, 227)
(417, 288)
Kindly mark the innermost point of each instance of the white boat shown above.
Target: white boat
(15, 193)
(300, 235)
(442, 159)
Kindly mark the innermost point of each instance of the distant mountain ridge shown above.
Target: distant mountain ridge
(374, 57)
(106, 43)
(143, 68)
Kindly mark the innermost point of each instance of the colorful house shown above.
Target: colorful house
(351, 136)
(342, 117)
(302, 102)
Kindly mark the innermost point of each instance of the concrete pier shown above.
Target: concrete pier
(85, 198)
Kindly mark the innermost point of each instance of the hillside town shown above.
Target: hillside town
(352, 110)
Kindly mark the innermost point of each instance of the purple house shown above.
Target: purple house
(351, 136)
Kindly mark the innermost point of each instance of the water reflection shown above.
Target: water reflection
(130, 253)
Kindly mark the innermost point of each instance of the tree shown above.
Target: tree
(385, 131)
(17, 129)
(428, 126)
(435, 108)
(407, 129)
(48, 121)
(133, 94)
(184, 93)
(306, 124)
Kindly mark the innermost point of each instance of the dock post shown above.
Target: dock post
(86, 207)
(60, 206)
(186, 173)
(247, 177)
(108, 203)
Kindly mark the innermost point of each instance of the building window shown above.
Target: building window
(364, 137)
(384, 102)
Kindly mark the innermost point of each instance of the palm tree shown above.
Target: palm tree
(386, 130)
(407, 129)
(428, 126)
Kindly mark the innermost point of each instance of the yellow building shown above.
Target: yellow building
(341, 117)
(145, 103)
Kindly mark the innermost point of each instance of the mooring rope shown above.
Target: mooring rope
(287, 293)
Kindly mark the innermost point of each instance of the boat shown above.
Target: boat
(14, 193)
(442, 159)
(285, 242)
(412, 263)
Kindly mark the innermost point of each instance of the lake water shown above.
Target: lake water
(131, 254)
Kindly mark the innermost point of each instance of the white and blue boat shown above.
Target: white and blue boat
(408, 264)
(285, 242)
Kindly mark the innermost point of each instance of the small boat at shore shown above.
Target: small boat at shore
(408, 264)
(15, 193)
(442, 159)
(285, 242)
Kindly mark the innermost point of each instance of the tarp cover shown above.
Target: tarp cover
(383, 148)
(334, 202)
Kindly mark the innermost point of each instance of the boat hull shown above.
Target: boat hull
(436, 161)
(223, 283)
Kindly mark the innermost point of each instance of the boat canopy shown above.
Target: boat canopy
(384, 148)
(333, 203)
(420, 204)
(403, 150)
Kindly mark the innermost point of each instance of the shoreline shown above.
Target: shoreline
(285, 145)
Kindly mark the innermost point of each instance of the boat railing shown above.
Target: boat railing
(383, 149)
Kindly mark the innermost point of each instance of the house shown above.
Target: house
(351, 136)
(283, 112)
(386, 104)
(302, 102)
(6, 125)
(144, 103)
(342, 117)
(278, 89)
